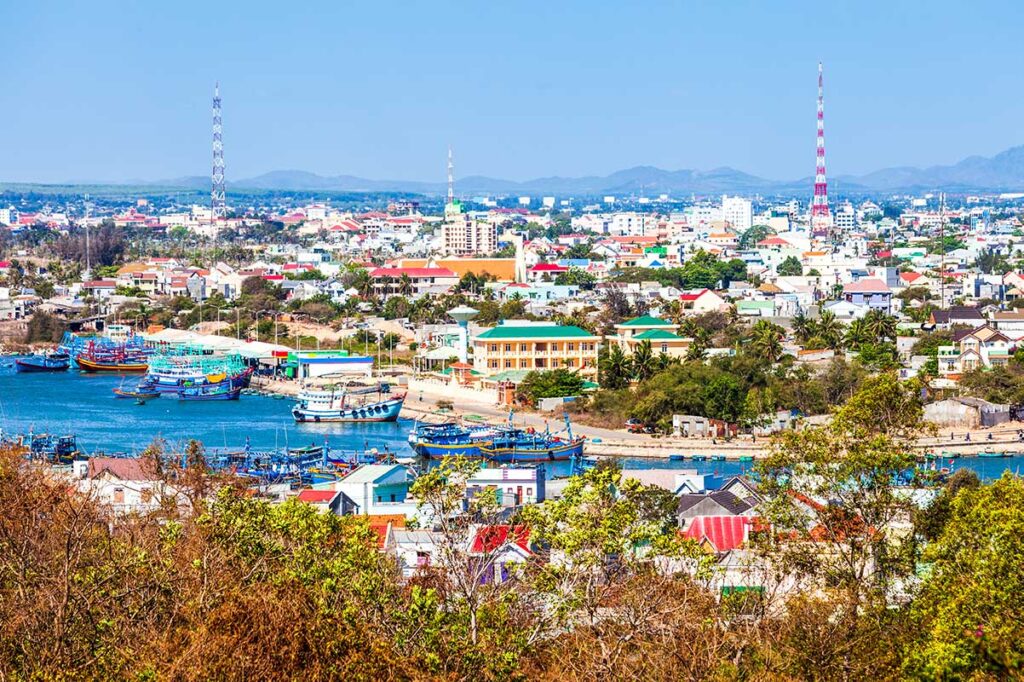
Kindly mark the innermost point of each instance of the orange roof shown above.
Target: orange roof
(502, 268)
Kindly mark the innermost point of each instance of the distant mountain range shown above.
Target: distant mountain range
(1002, 172)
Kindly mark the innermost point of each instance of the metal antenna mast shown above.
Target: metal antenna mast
(218, 208)
(820, 216)
(451, 177)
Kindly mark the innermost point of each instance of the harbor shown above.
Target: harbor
(84, 404)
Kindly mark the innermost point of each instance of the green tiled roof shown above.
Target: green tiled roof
(657, 335)
(646, 321)
(535, 332)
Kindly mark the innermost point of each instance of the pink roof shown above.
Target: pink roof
(123, 468)
(910, 276)
(773, 241)
(490, 538)
(723, 532)
(5, 263)
(412, 272)
(869, 285)
(316, 496)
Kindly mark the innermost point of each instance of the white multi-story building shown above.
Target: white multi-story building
(738, 212)
(461, 235)
(845, 218)
(8, 216)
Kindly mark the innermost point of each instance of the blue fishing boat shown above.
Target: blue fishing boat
(53, 449)
(45, 362)
(220, 391)
(348, 406)
(450, 439)
(497, 444)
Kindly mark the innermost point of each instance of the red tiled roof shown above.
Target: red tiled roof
(773, 241)
(723, 532)
(490, 538)
(316, 496)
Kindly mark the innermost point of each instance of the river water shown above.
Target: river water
(84, 405)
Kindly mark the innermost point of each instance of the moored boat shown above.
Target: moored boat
(203, 392)
(346, 406)
(46, 362)
(123, 365)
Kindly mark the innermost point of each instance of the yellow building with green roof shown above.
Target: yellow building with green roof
(535, 346)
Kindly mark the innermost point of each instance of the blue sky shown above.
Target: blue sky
(121, 90)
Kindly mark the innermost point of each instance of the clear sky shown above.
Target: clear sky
(113, 91)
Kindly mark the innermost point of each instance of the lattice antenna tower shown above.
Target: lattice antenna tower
(218, 205)
(820, 215)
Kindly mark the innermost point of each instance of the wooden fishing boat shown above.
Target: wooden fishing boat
(126, 366)
(138, 394)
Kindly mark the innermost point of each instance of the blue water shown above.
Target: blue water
(84, 405)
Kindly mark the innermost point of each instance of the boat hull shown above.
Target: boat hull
(199, 396)
(41, 365)
(384, 411)
(553, 452)
(91, 366)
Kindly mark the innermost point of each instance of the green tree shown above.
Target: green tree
(766, 340)
(830, 329)
(554, 383)
(616, 369)
(790, 266)
(643, 362)
(968, 614)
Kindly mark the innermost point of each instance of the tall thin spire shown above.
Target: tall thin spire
(451, 177)
(217, 196)
(821, 219)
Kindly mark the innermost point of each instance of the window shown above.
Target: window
(571, 346)
(664, 348)
(493, 363)
(522, 348)
(392, 497)
(508, 347)
(529, 491)
(508, 364)
(494, 348)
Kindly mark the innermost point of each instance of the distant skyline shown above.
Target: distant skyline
(114, 92)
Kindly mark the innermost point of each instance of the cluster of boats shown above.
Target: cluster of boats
(503, 444)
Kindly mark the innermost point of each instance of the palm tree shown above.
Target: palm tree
(830, 329)
(405, 284)
(803, 327)
(697, 351)
(644, 363)
(616, 369)
(664, 361)
(858, 333)
(766, 340)
(881, 326)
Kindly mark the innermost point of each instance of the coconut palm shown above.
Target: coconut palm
(645, 365)
(830, 329)
(405, 284)
(882, 327)
(857, 334)
(803, 327)
(766, 340)
(697, 351)
(616, 369)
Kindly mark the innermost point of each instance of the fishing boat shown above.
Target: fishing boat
(450, 439)
(53, 449)
(45, 362)
(141, 393)
(349, 405)
(524, 446)
(221, 391)
(990, 454)
(123, 365)
(188, 367)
